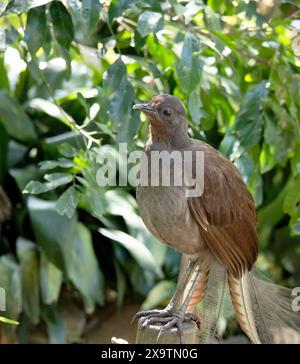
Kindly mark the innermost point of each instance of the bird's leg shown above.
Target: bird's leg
(156, 316)
(180, 315)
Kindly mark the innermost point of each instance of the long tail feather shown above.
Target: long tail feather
(264, 310)
(215, 300)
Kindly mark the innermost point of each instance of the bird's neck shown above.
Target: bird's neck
(176, 138)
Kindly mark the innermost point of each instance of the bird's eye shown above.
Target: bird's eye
(167, 112)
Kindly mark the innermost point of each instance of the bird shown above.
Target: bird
(215, 231)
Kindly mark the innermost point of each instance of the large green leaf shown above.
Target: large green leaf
(53, 232)
(50, 281)
(28, 256)
(120, 98)
(10, 280)
(90, 10)
(62, 24)
(14, 119)
(140, 253)
(84, 270)
(35, 28)
(160, 293)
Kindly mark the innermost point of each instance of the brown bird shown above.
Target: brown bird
(216, 231)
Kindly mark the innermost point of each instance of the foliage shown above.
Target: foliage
(70, 72)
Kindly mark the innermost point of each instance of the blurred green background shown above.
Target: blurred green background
(76, 261)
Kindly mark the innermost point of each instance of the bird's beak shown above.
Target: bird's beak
(147, 108)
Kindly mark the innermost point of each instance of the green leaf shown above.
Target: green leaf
(4, 82)
(57, 179)
(10, 281)
(50, 281)
(90, 10)
(121, 96)
(19, 6)
(249, 121)
(3, 152)
(28, 257)
(35, 188)
(62, 24)
(149, 22)
(139, 252)
(55, 324)
(115, 75)
(35, 28)
(50, 109)
(54, 180)
(292, 199)
(53, 232)
(121, 283)
(163, 291)
(117, 7)
(84, 270)
(67, 150)
(67, 202)
(189, 67)
(61, 162)
(95, 201)
(16, 122)
(8, 321)
(195, 107)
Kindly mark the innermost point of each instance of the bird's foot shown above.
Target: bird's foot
(166, 319)
(145, 316)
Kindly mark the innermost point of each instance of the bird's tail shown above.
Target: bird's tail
(264, 310)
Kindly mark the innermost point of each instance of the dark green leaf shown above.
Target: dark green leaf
(10, 281)
(249, 122)
(62, 24)
(13, 117)
(189, 67)
(84, 271)
(28, 257)
(50, 281)
(55, 324)
(35, 28)
(90, 10)
(3, 152)
(53, 232)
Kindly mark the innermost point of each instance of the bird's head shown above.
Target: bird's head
(166, 115)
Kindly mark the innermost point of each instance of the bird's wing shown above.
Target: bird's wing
(225, 213)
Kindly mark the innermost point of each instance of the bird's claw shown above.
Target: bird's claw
(147, 315)
(175, 321)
